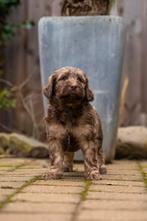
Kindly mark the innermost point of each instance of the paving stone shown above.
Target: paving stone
(6, 192)
(61, 182)
(5, 169)
(113, 205)
(9, 185)
(123, 165)
(13, 160)
(23, 171)
(116, 196)
(17, 175)
(53, 189)
(37, 163)
(36, 217)
(135, 177)
(74, 175)
(144, 163)
(145, 170)
(119, 183)
(2, 198)
(15, 178)
(44, 197)
(121, 169)
(10, 162)
(113, 215)
(31, 167)
(117, 189)
(3, 173)
(27, 207)
(78, 168)
(5, 182)
(122, 172)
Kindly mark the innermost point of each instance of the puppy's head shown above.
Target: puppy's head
(69, 85)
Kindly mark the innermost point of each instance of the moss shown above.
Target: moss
(111, 4)
(145, 166)
(4, 141)
(23, 146)
(6, 165)
(18, 146)
(143, 173)
(9, 198)
(17, 167)
(1, 151)
(84, 193)
(84, 8)
(13, 167)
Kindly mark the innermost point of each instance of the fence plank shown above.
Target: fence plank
(144, 62)
(132, 11)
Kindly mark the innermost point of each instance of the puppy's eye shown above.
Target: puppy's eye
(80, 79)
(63, 78)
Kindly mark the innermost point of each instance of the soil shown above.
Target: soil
(85, 7)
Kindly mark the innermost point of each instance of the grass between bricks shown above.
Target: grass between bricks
(143, 173)
(10, 165)
(83, 197)
(84, 193)
(16, 167)
(9, 198)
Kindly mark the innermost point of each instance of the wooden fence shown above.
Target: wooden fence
(135, 64)
(22, 65)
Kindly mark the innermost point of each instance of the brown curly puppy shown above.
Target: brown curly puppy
(72, 124)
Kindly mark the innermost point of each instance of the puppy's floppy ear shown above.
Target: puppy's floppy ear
(49, 89)
(88, 93)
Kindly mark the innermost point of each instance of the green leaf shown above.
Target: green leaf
(9, 3)
(6, 100)
(27, 25)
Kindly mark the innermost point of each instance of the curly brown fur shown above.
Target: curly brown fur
(72, 124)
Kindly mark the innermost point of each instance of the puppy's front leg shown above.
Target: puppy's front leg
(90, 160)
(56, 159)
(55, 152)
(101, 162)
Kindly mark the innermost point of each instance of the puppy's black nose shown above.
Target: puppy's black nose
(73, 87)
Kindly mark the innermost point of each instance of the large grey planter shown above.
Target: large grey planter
(94, 44)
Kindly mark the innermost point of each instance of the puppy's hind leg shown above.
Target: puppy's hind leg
(68, 161)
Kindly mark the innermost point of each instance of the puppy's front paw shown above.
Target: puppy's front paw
(50, 175)
(103, 169)
(93, 175)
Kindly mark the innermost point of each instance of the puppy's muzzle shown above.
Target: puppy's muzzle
(73, 91)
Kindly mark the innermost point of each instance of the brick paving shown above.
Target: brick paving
(120, 196)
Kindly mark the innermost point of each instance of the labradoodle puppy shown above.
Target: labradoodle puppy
(72, 124)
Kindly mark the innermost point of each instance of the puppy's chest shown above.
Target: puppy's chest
(68, 120)
(70, 142)
(70, 139)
